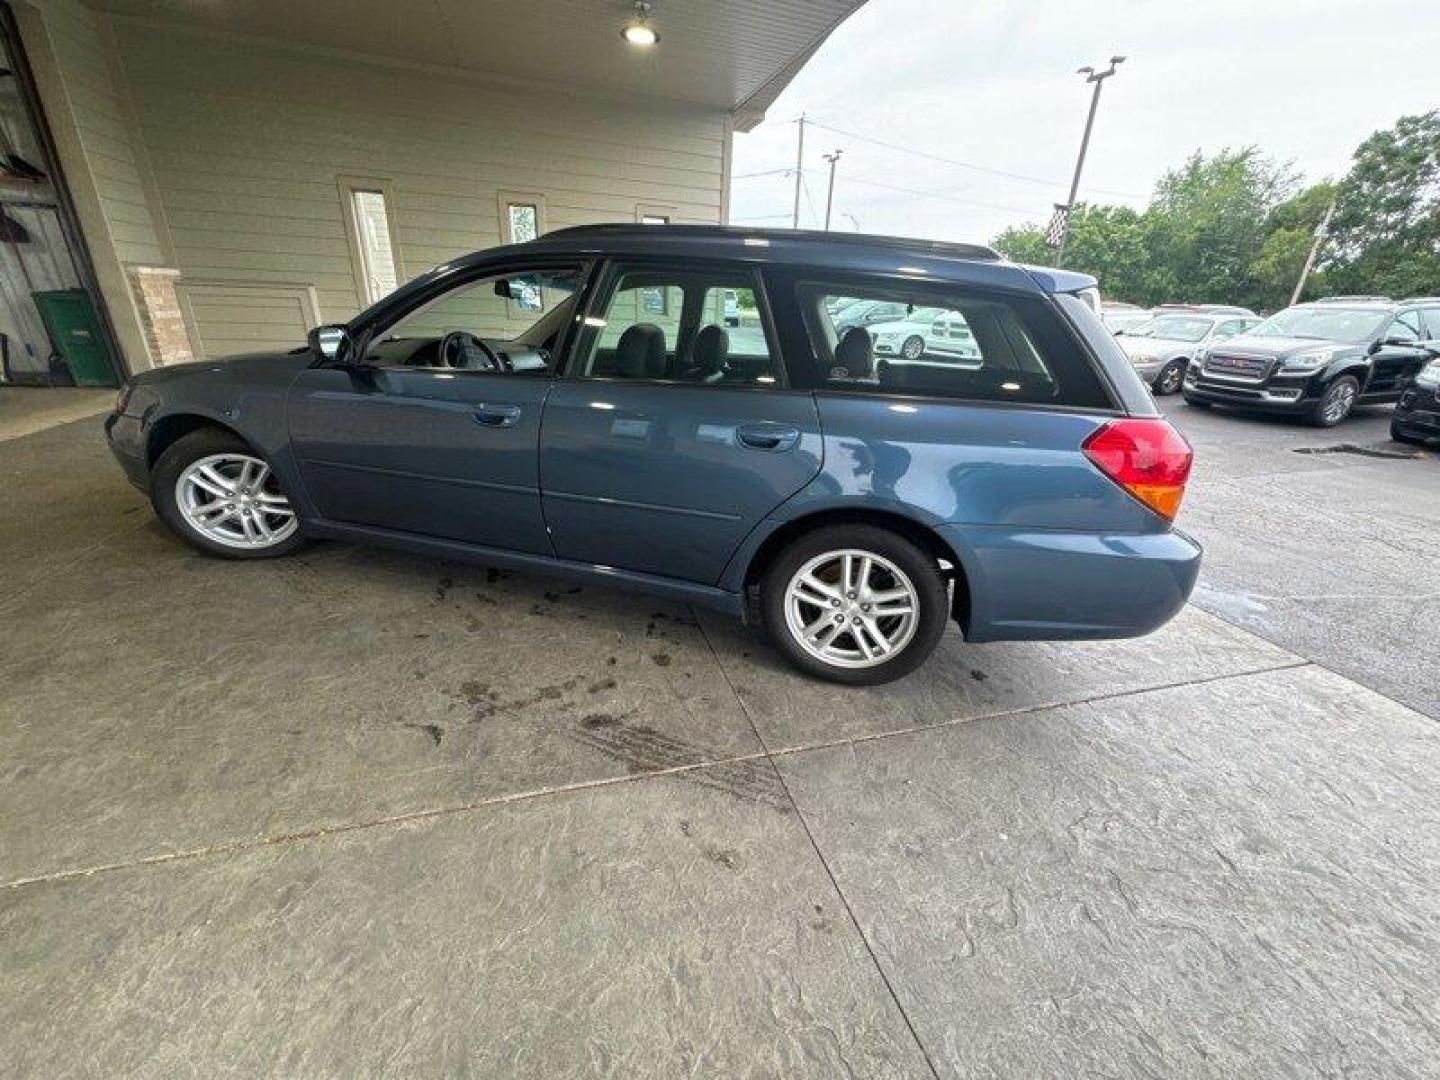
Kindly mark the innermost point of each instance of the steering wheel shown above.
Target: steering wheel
(458, 347)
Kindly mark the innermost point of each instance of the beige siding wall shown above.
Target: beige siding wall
(246, 142)
(97, 108)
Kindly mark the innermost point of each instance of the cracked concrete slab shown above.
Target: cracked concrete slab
(963, 682)
(660, 928)
(1230, 879)
(177, 702)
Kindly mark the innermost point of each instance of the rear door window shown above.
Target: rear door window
(973, 345)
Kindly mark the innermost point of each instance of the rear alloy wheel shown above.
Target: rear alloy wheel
(219, 495)
(1337, 402)
(1171, 376)
(855, 604)
(913, 348)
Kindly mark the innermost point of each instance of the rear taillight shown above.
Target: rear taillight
(1147, 457)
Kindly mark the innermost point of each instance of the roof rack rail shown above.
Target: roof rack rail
(905, 243)
(1356, 299)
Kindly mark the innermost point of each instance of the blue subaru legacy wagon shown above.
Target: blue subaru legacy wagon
(672, 408)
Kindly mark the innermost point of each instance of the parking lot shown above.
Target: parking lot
(360, 813)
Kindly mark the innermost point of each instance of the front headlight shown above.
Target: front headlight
(1306, 363)
(1429, 374)
(123, 397)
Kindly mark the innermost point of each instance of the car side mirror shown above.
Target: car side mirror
(330, 343)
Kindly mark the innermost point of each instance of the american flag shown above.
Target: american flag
(1058, 223)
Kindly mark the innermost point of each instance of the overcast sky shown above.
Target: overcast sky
(992, 83)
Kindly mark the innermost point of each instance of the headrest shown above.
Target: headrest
(710, 350)
(854, 355)
(640, 353)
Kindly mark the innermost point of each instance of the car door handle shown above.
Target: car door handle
(497, 415)
(773, 437)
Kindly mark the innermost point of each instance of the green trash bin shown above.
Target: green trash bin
(74, 327)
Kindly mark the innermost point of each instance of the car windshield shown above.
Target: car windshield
(1322, 323)
(1172, 328)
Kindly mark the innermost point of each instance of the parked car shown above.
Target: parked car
(852, 511)
(867, 313)
(1317, 360)
(925, 332)
(1416, 418)
(1213, 309)
(1162, 348)
(1118, 316)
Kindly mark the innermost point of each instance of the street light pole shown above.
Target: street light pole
(799, 172)
(830, 194)
(1321, 231)
(1098, 78)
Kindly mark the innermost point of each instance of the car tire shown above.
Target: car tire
(1170, 379)
(913, 347)
(909, 614)
(1336, 403)
(221, 497)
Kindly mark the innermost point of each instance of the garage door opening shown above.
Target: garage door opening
(52, 326)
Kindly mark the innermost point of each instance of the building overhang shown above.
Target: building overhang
(736, 55)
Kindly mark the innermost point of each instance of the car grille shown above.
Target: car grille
(1231, 366)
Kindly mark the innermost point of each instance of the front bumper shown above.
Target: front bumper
(1042, 585)
(1418, 413)
(126, 436)
(1292, 394)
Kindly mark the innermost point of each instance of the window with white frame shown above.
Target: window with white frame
(369, 219)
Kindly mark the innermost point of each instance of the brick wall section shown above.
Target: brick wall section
(160, 315)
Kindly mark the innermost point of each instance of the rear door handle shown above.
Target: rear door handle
(497, 415)
(773, 437)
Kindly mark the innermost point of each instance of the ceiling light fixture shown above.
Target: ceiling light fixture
(640, 32)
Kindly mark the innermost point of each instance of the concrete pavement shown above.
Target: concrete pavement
(362, 813)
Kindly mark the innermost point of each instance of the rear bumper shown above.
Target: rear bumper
(1034, 585)
(126, 437)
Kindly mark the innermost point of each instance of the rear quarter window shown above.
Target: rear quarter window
(967, 344)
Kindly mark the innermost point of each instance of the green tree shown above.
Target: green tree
(1106, 241)
(1206, 224)
(1290, 232)
(1386, 233)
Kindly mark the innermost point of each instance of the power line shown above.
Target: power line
(944, 196)
(965, 164)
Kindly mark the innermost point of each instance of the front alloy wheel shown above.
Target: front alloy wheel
(235, 500)
(222, 497)
(1337, 402)
(1170, 378)
(913, 348)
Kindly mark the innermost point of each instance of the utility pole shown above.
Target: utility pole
(1098, 78)
(1321, 231)
(799, 171)
(830, 194)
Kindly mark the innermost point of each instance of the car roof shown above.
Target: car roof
(624, 229)
(921, 261)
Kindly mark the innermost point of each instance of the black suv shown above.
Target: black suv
(1319, 360)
